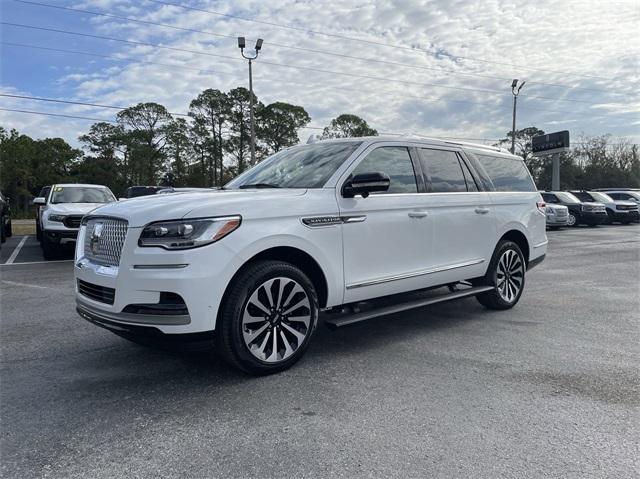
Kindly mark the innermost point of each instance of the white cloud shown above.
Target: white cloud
(597, 47)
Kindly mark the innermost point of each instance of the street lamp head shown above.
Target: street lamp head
(514, 83)
(521, 85)
(259, 44)
(241, 43)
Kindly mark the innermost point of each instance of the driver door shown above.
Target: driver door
(388, 236)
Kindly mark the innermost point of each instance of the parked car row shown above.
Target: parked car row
(591, 208)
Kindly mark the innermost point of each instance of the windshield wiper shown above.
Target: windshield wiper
(257, 185)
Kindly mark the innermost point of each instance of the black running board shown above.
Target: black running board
(335, 323)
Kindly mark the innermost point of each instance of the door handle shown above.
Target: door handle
(418, 214)
(481, 210)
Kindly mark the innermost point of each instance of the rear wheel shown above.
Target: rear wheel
(506, 274)
(3, 234)
(38, 231)
(267, 319)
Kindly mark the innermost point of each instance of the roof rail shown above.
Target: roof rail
(477, 145)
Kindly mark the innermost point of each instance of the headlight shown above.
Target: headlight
(185, 234)
(58, 218)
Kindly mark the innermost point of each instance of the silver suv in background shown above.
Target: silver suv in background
(557, 215)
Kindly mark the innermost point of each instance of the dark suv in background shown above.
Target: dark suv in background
(621, 211)
(5, 218)
(580, 212)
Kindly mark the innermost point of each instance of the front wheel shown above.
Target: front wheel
(50, 250)
(572, 220)
(506, 274)
(267, 318)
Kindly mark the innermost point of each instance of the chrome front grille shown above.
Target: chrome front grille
(103, 240)
(562, 212)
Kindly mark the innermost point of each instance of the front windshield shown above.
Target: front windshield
(601, 197)
(81, 194)
(305, 166)
(567, 197)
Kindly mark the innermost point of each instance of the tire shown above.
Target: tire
(8, 230)
(246, 333)
(38, 231)
(609, 220)
(3, 236)
(50, 250)
(626, 222)
(507, 257)
(574, 220)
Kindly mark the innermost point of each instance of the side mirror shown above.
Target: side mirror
(366, 183)
(40, 200)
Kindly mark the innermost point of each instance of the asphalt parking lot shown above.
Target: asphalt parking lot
(548, 389)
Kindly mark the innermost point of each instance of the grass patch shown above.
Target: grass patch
(22, 228)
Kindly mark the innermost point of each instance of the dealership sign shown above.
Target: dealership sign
(549, 144)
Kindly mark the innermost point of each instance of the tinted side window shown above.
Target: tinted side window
(444, 171)
(549, 198)
(395, 162)
(507, 174)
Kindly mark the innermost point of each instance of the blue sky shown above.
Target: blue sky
(450, 77)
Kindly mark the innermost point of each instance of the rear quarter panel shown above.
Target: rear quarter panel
(518, 211)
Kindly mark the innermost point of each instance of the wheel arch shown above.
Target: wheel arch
(519, 238)
(296, 257)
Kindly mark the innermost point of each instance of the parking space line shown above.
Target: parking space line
(26, 285)
(17, 250)
(38, 262)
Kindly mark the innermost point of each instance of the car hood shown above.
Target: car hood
(591, 203)
(625, 203)
(198, 204)
(72, 208)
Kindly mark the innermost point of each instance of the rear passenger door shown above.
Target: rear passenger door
(463, 217)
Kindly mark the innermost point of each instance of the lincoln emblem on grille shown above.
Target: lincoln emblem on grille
(96, 234)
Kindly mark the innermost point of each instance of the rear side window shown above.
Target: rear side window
(395, 161)
(507, 174)
(549, 198)
(443, 168)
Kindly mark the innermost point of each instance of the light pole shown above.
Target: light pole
(515, 89)
(258, 47)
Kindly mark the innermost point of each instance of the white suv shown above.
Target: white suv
(61, 212)
(316, 227)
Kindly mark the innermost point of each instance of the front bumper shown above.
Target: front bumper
(198, 276)
(594, 217)
(553, 220)
(629, 215)
(61, 235)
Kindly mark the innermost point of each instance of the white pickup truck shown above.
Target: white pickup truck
(316, 227)
(59, 213)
